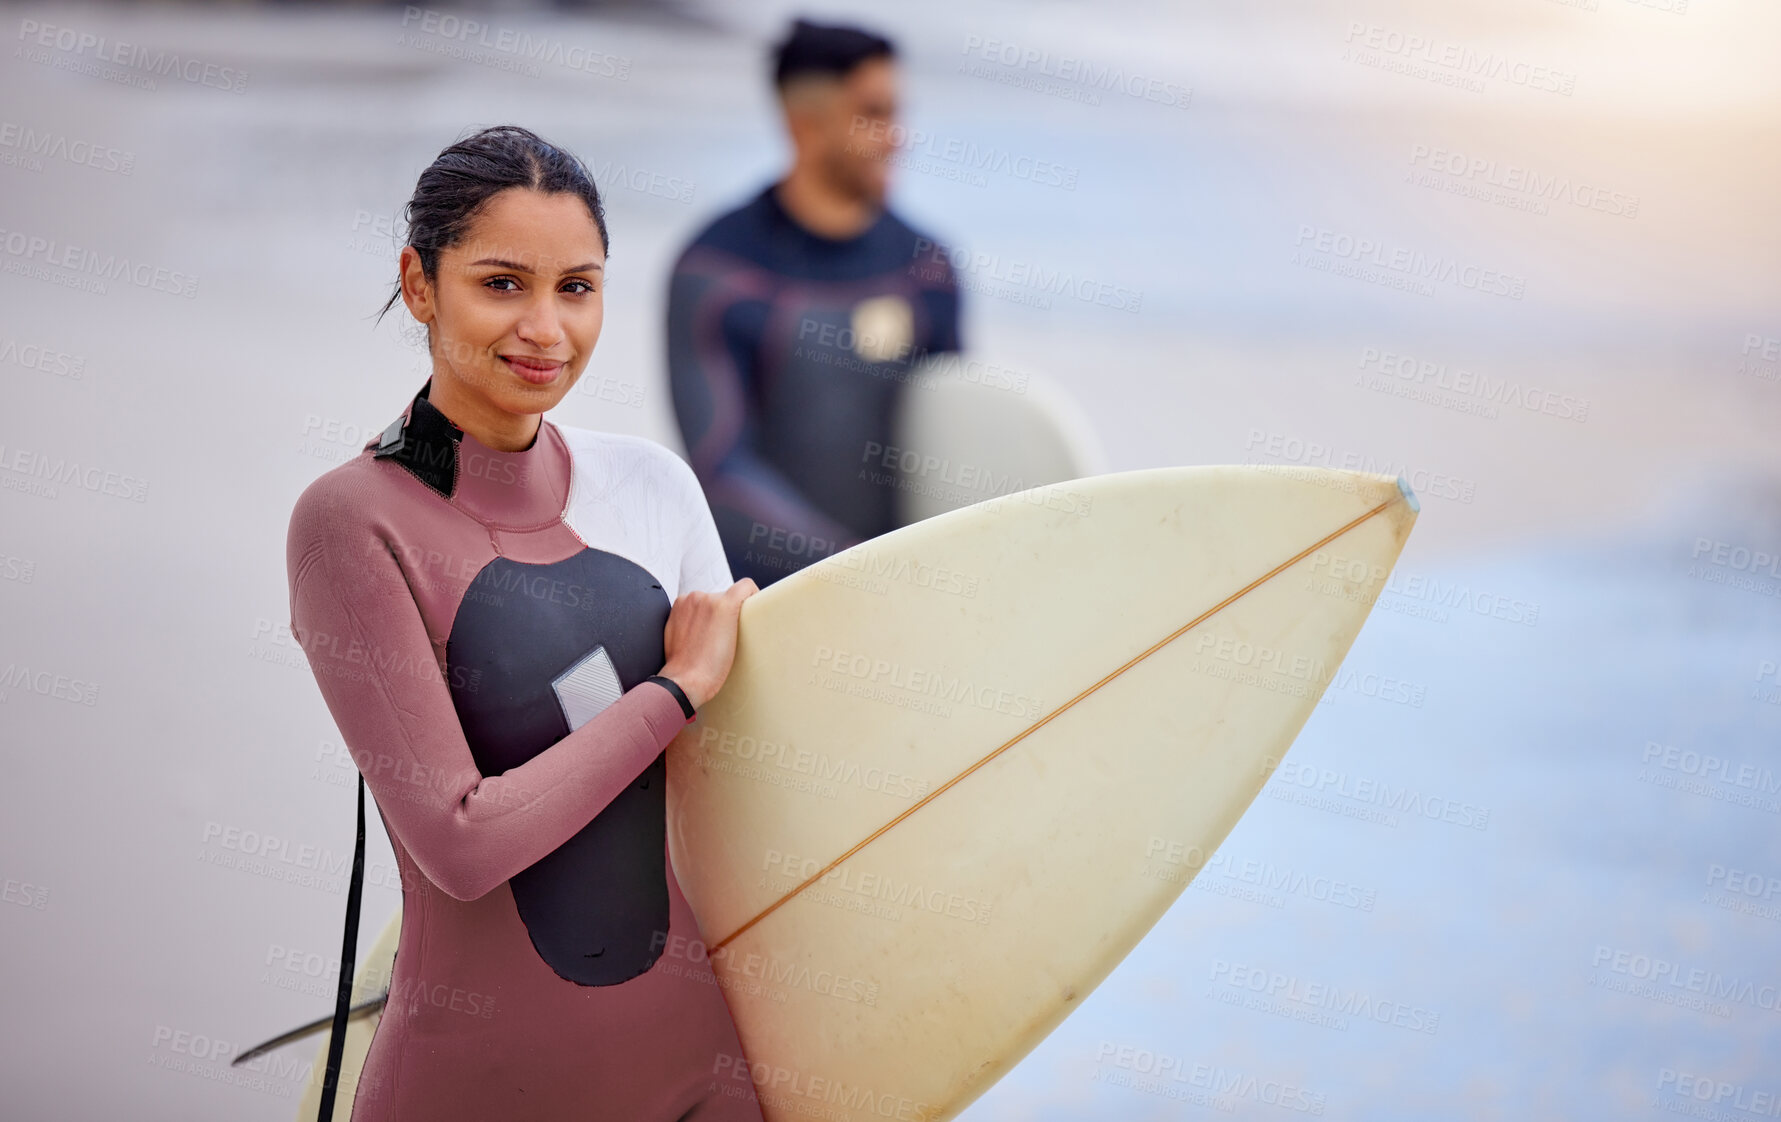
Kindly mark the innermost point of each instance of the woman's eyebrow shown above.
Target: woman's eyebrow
(590, 267)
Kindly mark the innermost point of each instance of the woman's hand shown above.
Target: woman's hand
(701, 639)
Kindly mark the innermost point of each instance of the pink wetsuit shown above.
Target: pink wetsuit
(480, 624)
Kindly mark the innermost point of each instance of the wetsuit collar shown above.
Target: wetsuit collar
(785, 218)
(518, 490)
(424, 441)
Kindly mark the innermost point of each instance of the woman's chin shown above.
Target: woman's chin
(519, 395)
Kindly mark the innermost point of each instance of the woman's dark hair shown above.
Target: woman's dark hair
(453, 189)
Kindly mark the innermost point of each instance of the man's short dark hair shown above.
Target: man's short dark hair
(815, 48)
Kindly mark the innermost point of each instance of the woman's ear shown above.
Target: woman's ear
(417, 290)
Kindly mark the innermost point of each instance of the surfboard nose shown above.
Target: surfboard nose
(1409, 495)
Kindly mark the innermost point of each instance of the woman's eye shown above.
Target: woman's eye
(492, 281)
(585, 286)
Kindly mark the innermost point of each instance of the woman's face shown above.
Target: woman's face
(516, 305)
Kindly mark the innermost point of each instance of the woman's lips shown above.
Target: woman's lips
(537, 371)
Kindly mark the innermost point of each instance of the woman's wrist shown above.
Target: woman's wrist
(679, 695)
(689, 683)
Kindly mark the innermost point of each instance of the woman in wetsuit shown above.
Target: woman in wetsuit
(509, 620)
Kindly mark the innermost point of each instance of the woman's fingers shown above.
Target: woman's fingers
(700, 640)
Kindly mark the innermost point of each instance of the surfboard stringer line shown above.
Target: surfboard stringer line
(1404, 495)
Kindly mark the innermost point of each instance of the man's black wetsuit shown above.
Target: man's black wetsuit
(786, 354)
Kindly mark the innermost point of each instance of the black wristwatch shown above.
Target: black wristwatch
(679, 694)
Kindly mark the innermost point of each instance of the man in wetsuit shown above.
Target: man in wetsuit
(793, 321)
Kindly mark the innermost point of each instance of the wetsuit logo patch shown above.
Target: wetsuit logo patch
(586, 687)
(883, 329)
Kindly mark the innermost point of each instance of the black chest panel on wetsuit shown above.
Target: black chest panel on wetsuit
(596, 907)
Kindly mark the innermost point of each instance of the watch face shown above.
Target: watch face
(586, 686)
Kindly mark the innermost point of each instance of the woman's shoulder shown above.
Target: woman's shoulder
(357, 486)
(638, 497)
(343, 506)
(616, 456)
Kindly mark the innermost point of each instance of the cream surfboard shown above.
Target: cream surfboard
(969, 428)
(952, 777)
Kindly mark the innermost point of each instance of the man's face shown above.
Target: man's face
(853, 129)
